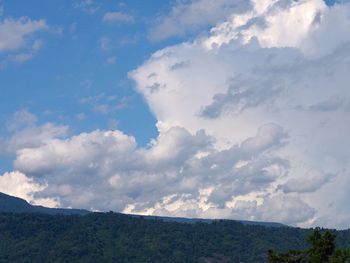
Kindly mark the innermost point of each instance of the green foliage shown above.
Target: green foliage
(112, 237)
(322, 250)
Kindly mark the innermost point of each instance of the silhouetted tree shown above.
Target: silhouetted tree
(322, 250)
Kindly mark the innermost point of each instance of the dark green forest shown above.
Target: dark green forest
(322, 249)
(114, 237)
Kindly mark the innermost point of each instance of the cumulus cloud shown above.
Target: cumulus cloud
(310, 182)
(270, 22)
(274, 62)
(251, 120)
(243, 94)
(26, 133)
(284, 208)
(34, 136)
(18, 184)
(178, 164)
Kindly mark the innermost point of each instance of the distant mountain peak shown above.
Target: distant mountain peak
(12, 204)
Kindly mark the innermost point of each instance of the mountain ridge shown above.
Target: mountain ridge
(37, 234)
(12, 204)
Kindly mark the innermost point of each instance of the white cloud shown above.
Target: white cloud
(34, 136)
(17, 39)
(243, 116)
(284, 208)
(20, 119)
(28, 54)
(19, 185)
(79, 168)
(25, 133)
(15, 32)
(189, 16)
(310, 182)
(280, 62)
(118, 17)
(270, 23)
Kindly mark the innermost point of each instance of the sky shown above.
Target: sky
(235, 109)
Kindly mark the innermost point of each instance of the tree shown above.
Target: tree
(322, 250)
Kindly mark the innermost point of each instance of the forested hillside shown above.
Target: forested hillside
(112, 237)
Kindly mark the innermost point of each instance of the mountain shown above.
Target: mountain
(115, 237)
(17, 205)
(11, 204)
(209, 221)
(38, 234)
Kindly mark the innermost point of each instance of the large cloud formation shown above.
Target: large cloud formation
(283, 62)
(252, 120)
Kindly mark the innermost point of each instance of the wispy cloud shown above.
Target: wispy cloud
(88, 6)
(111, 60)
(105, 43)
(17, 39)
(189, 16)
(118, 17)
(16, 33)
(104, 104)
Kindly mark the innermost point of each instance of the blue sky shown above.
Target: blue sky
(83, 57)
(197, 108)
(71, 65)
